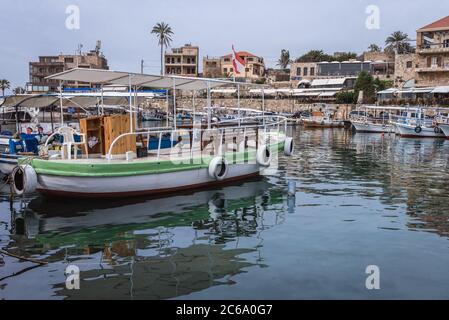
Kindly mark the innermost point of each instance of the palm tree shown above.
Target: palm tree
(398, 42)
(164, 33)
(374, 48)
(4, 84)
(284, 60)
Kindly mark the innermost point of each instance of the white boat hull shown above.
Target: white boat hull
(406, 130)
(445, 129)
(373, 127)
(94, 187)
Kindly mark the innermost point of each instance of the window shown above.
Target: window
(409, 64)
(227, 59)
(298, 71)
(225, 70)
(305, 72)
(69, 60)
(247, 69)
(312, 71)
(446, 43)
(231, 69)
(179, 60)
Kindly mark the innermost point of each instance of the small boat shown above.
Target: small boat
(205, 155)
(153, 115)
(319, 119)
(379, 121)
(414, 124)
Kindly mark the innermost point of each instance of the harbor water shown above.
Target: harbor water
(361, 200)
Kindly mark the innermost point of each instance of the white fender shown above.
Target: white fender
(24, 180)
(264, 156)
(218, 168)
(288, 146)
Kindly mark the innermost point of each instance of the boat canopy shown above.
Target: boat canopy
(68, 100)
(138, 80)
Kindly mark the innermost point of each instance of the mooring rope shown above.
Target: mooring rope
(40, 262)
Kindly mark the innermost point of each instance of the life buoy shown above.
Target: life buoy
(24, 180)
(418, 129)
(264, 156)
(288, 147)
(218, 168)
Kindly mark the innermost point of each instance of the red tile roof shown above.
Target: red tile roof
(439, 24)
(242, 54)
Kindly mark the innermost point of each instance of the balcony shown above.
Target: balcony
(434, 68)
(432, 49)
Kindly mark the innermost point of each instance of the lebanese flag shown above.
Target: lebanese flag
(238, 62)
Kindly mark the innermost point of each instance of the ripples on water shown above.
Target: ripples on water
(361, 200)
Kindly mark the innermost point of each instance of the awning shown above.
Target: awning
(328, 94)
(307, 94)
(388, 91)
(135, 79)
(224, 91)
(266, 92)
(443, 89)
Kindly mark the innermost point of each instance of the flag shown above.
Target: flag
(238, 62)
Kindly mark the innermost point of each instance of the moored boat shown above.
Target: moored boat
(204, 156)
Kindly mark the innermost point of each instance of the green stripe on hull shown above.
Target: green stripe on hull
(74, 169)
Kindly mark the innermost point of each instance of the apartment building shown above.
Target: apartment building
(182, 61)
(429, 66)
(223, 67)
(49, 65)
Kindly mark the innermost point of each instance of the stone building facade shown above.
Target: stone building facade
(405, 70)
(182, 61)
(429, 66)
(49, 65)
(222, 67)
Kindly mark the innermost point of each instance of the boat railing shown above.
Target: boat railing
(261, 124)
(413, 121)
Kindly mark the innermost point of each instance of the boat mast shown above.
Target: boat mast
(130, 104)
(209, 106)
(174, 104)
(60, 103)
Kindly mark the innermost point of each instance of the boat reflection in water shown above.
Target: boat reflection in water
(155, 249)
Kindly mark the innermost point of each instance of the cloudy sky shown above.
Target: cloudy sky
(31, 28)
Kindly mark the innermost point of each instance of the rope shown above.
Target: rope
(6, 253)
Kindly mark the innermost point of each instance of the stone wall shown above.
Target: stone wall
(273, 105)
(405, 68)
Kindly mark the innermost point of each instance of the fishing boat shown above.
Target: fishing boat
(111, 165)
(321, 119)
(413, 123)
(153, 115)
(373, 119)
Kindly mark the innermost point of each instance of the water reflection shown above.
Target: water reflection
(153, 249)
(361, 199)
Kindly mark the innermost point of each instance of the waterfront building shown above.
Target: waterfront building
(429, 66)
(50, 65)
(305, 72)
(222, 67)
(182, 61)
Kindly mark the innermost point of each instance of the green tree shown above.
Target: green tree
(164, 34)
(4, 85)
(284, 60)
(315, 56)
(398, 42)
(365, 82)
(345, 56)
(346, 97)
(374, 48)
